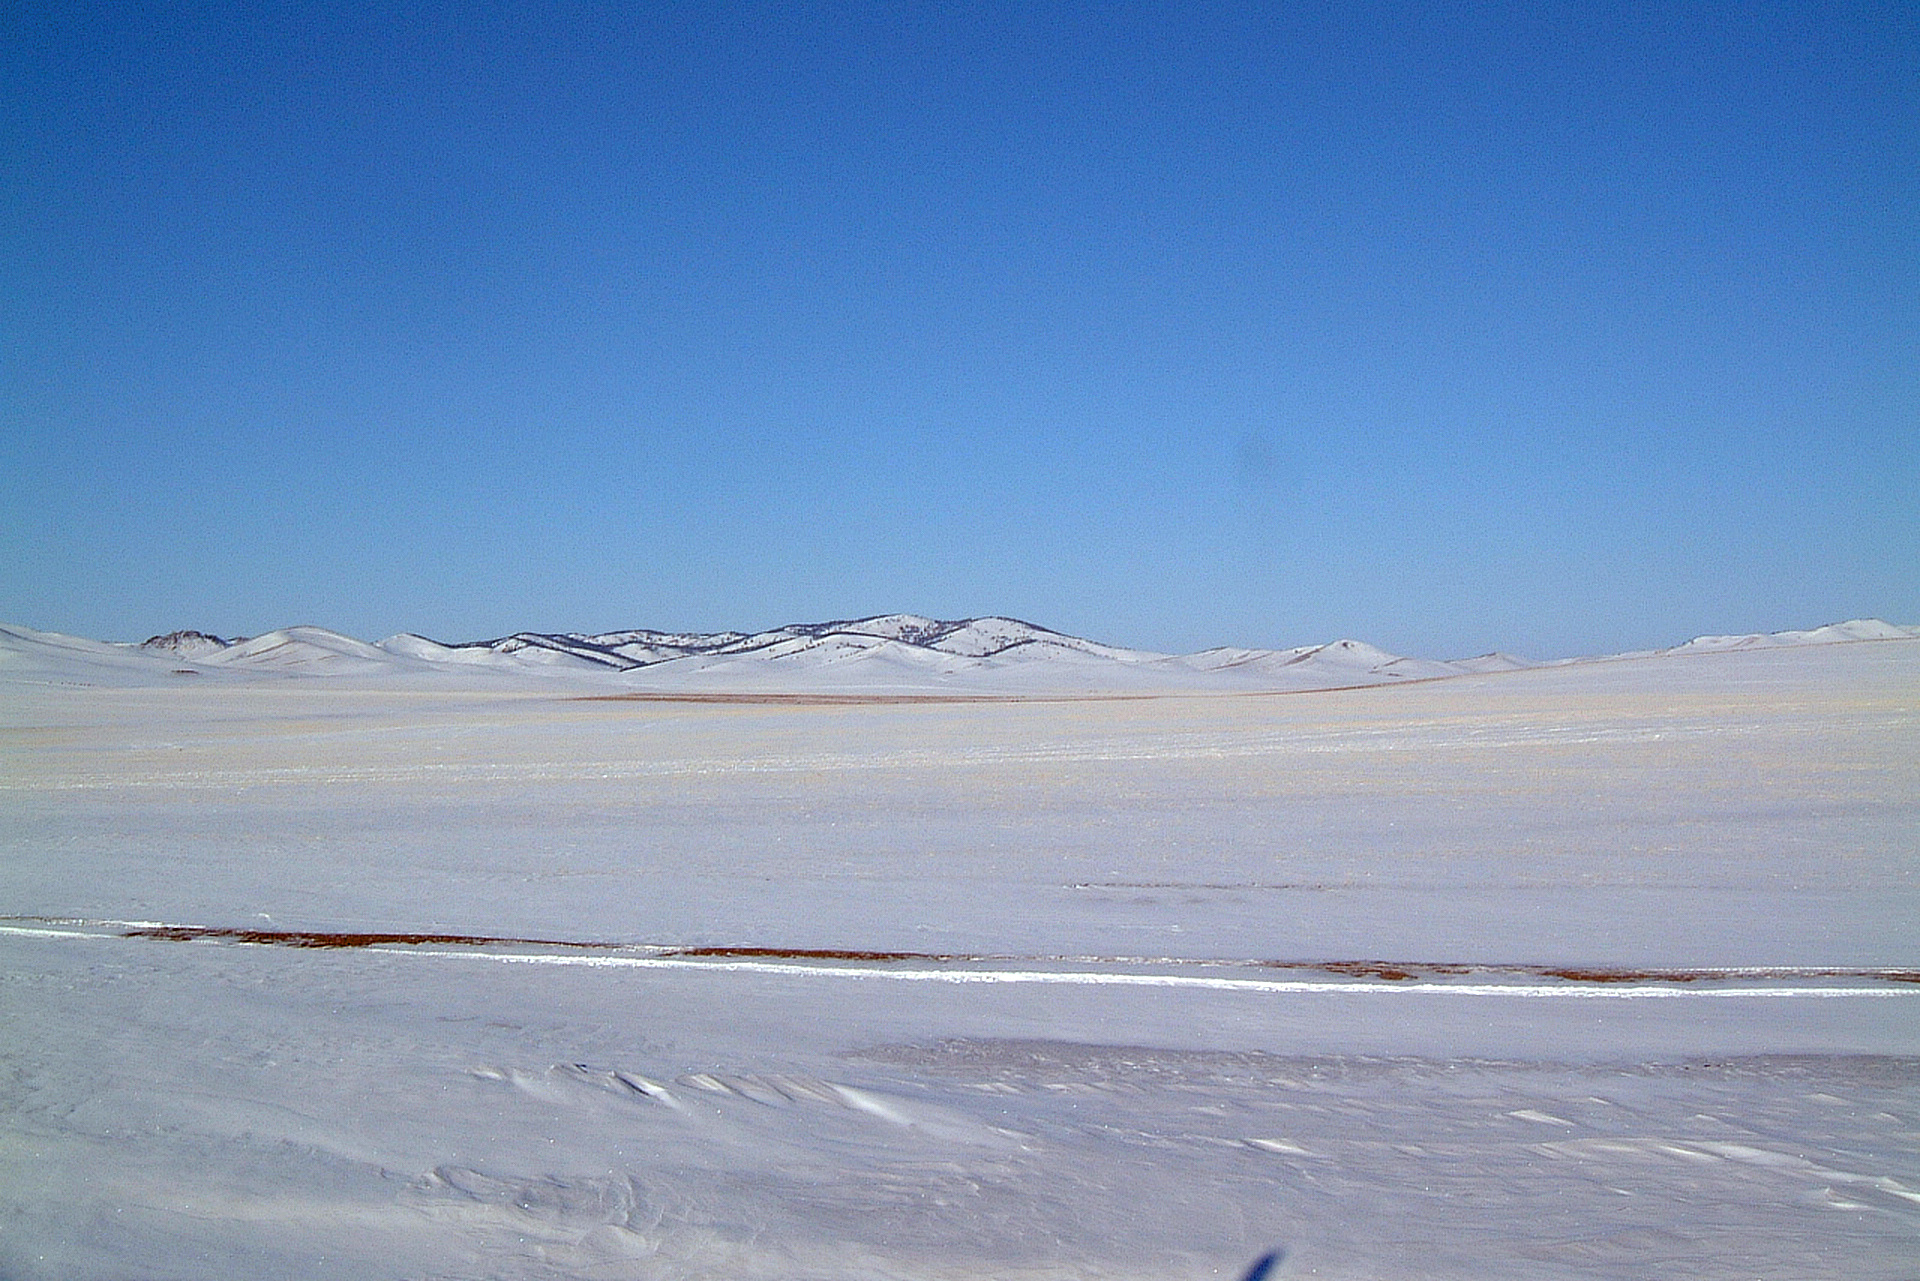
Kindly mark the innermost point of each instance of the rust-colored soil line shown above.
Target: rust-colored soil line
(306, 938)
(850, 700)
(828, 954)
(1385, 971)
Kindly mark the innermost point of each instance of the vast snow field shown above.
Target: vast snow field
(1609, 969)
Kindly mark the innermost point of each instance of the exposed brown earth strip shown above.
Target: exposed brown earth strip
(846, 700)
(1401, 972)
(1372, 969)
(829, 954)
(303, 938)
(1206, 885)
(863, 700)
(1386, 971)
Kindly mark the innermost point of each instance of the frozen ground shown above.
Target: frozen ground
(1077, 1068)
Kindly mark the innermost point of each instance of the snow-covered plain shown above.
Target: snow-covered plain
(1600, 969)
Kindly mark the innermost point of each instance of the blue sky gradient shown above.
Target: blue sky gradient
(1553, 328)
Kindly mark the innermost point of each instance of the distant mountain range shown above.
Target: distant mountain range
(886, 653)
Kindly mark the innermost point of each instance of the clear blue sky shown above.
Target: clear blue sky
(1554, 328)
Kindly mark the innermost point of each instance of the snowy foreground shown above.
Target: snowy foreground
(1607, 969)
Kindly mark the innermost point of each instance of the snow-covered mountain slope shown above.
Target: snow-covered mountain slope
(891, 653)
(1859, 629)
(190, 644)
(1355, 661)
(50, 658)
(304, 649)
(964, 638)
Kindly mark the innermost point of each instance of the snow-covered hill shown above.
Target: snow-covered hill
(890, 653)
(1859, 629)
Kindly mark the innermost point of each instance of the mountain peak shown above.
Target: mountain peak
(189, 644)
